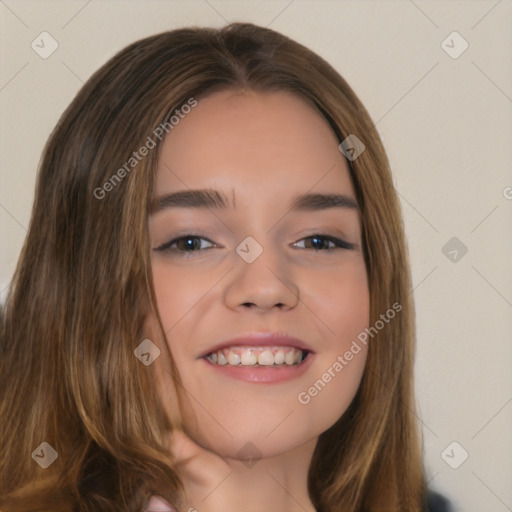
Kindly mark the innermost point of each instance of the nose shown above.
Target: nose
(263, 283)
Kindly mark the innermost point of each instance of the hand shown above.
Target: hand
(200, 470)
(158, 504)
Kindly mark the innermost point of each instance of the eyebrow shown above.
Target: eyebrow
(209, 198)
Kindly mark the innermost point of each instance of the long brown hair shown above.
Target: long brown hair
(83, 287)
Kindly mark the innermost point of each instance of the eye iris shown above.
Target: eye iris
(318, 239)
(193, 242)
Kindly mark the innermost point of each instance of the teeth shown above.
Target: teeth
(257, 356)
(233, 358)
(266, 358)
(279, 357)
(248, 358)
(289, 358)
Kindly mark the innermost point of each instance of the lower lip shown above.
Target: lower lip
(263, 374)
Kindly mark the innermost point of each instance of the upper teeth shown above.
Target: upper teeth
(252, 356)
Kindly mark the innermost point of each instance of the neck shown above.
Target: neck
(273, 483)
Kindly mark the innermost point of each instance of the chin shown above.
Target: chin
(257, 435)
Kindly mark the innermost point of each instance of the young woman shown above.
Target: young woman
(212, 307)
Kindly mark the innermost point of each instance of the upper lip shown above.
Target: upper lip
(256, 339)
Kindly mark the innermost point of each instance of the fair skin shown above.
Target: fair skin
(262, 149)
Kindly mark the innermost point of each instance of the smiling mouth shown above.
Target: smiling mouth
(258, 357)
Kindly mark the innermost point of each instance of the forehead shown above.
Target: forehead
(252, 142)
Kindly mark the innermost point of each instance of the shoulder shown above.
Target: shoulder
(437, 503)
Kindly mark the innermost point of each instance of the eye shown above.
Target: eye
(190, 243)
(318, 241)
(184, 245)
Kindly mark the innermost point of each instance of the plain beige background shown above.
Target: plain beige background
(446, 123)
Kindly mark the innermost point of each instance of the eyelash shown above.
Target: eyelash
(167, 246)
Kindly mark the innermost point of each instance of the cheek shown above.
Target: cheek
(177, 294)
(339, 301)
(330, 392)
(341, 304)
(178, 291)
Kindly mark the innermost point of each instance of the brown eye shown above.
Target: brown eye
(318, 243)
(184, 244)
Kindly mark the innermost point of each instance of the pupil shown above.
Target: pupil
(190, 242)
(318, 240)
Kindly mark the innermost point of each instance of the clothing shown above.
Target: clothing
(437, 503)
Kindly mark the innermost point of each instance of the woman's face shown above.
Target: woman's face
(257, 265)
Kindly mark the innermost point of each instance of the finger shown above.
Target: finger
(183, 448)
(198, 464)
(158, 504)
